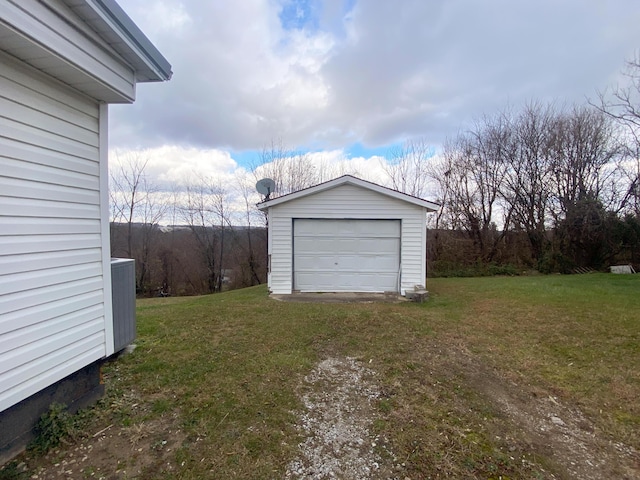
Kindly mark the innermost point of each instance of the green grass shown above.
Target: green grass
(579, 334)
(223, 370)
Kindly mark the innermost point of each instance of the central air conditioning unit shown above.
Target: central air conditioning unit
(123, 295)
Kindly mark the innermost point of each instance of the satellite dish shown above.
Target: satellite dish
(266, 186)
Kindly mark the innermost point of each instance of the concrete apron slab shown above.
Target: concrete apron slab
(341, 297)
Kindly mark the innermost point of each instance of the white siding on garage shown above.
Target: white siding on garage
(346, 201)
(52, 320)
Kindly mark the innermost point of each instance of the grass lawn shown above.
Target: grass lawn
(216, 377)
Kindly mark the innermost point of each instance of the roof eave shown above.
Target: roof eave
(150, 64)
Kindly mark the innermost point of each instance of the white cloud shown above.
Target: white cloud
(161, 16)
(335, 163)
(239, 79)
(171, 165)
(374, 74)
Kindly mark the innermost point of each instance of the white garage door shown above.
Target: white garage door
(346, 255)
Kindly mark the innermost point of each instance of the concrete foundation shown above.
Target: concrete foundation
(78, 390)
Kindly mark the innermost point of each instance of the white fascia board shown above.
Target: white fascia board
(348, 179)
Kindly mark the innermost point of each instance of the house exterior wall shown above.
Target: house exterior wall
(53, 318)
(32, 30)
(352, 202)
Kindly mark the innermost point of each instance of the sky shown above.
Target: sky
(347, 80)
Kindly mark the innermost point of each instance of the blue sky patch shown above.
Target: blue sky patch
(359, 150)
(247, 158)
(299, 14)
(250, 158)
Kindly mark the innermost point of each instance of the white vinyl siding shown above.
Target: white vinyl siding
(347, 201)
(52, 312)
(43, 27)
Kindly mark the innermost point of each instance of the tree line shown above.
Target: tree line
(562, 179)
(546, 187)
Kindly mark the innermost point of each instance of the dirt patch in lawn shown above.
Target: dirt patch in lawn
(143, 450)
(537, 421)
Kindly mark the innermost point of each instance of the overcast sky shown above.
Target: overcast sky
(351, 78)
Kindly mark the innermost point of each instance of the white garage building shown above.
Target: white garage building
(346, 235)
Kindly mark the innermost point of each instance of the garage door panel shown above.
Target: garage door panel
(372, 282)
(332, 282)
(346, 255)
(319, 244)
(363, 263)
(332, 244)
(314, 262)
(378, 245)
(358, 228)
(378, 263)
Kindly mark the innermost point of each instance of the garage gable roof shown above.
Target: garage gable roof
(350, 180)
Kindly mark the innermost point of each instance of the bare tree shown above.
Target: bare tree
(624, 102)
(141, 206)
(127, 192)
(623, 105)
(528, 182)
(583, 145)
(408, 168)
(197, 215)
(219, 197)
(205, 212)
(152, 211)
(475, 166)
(168, 252)
(584, 152)
(290, 170)
(247, 193)
(438, 174)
